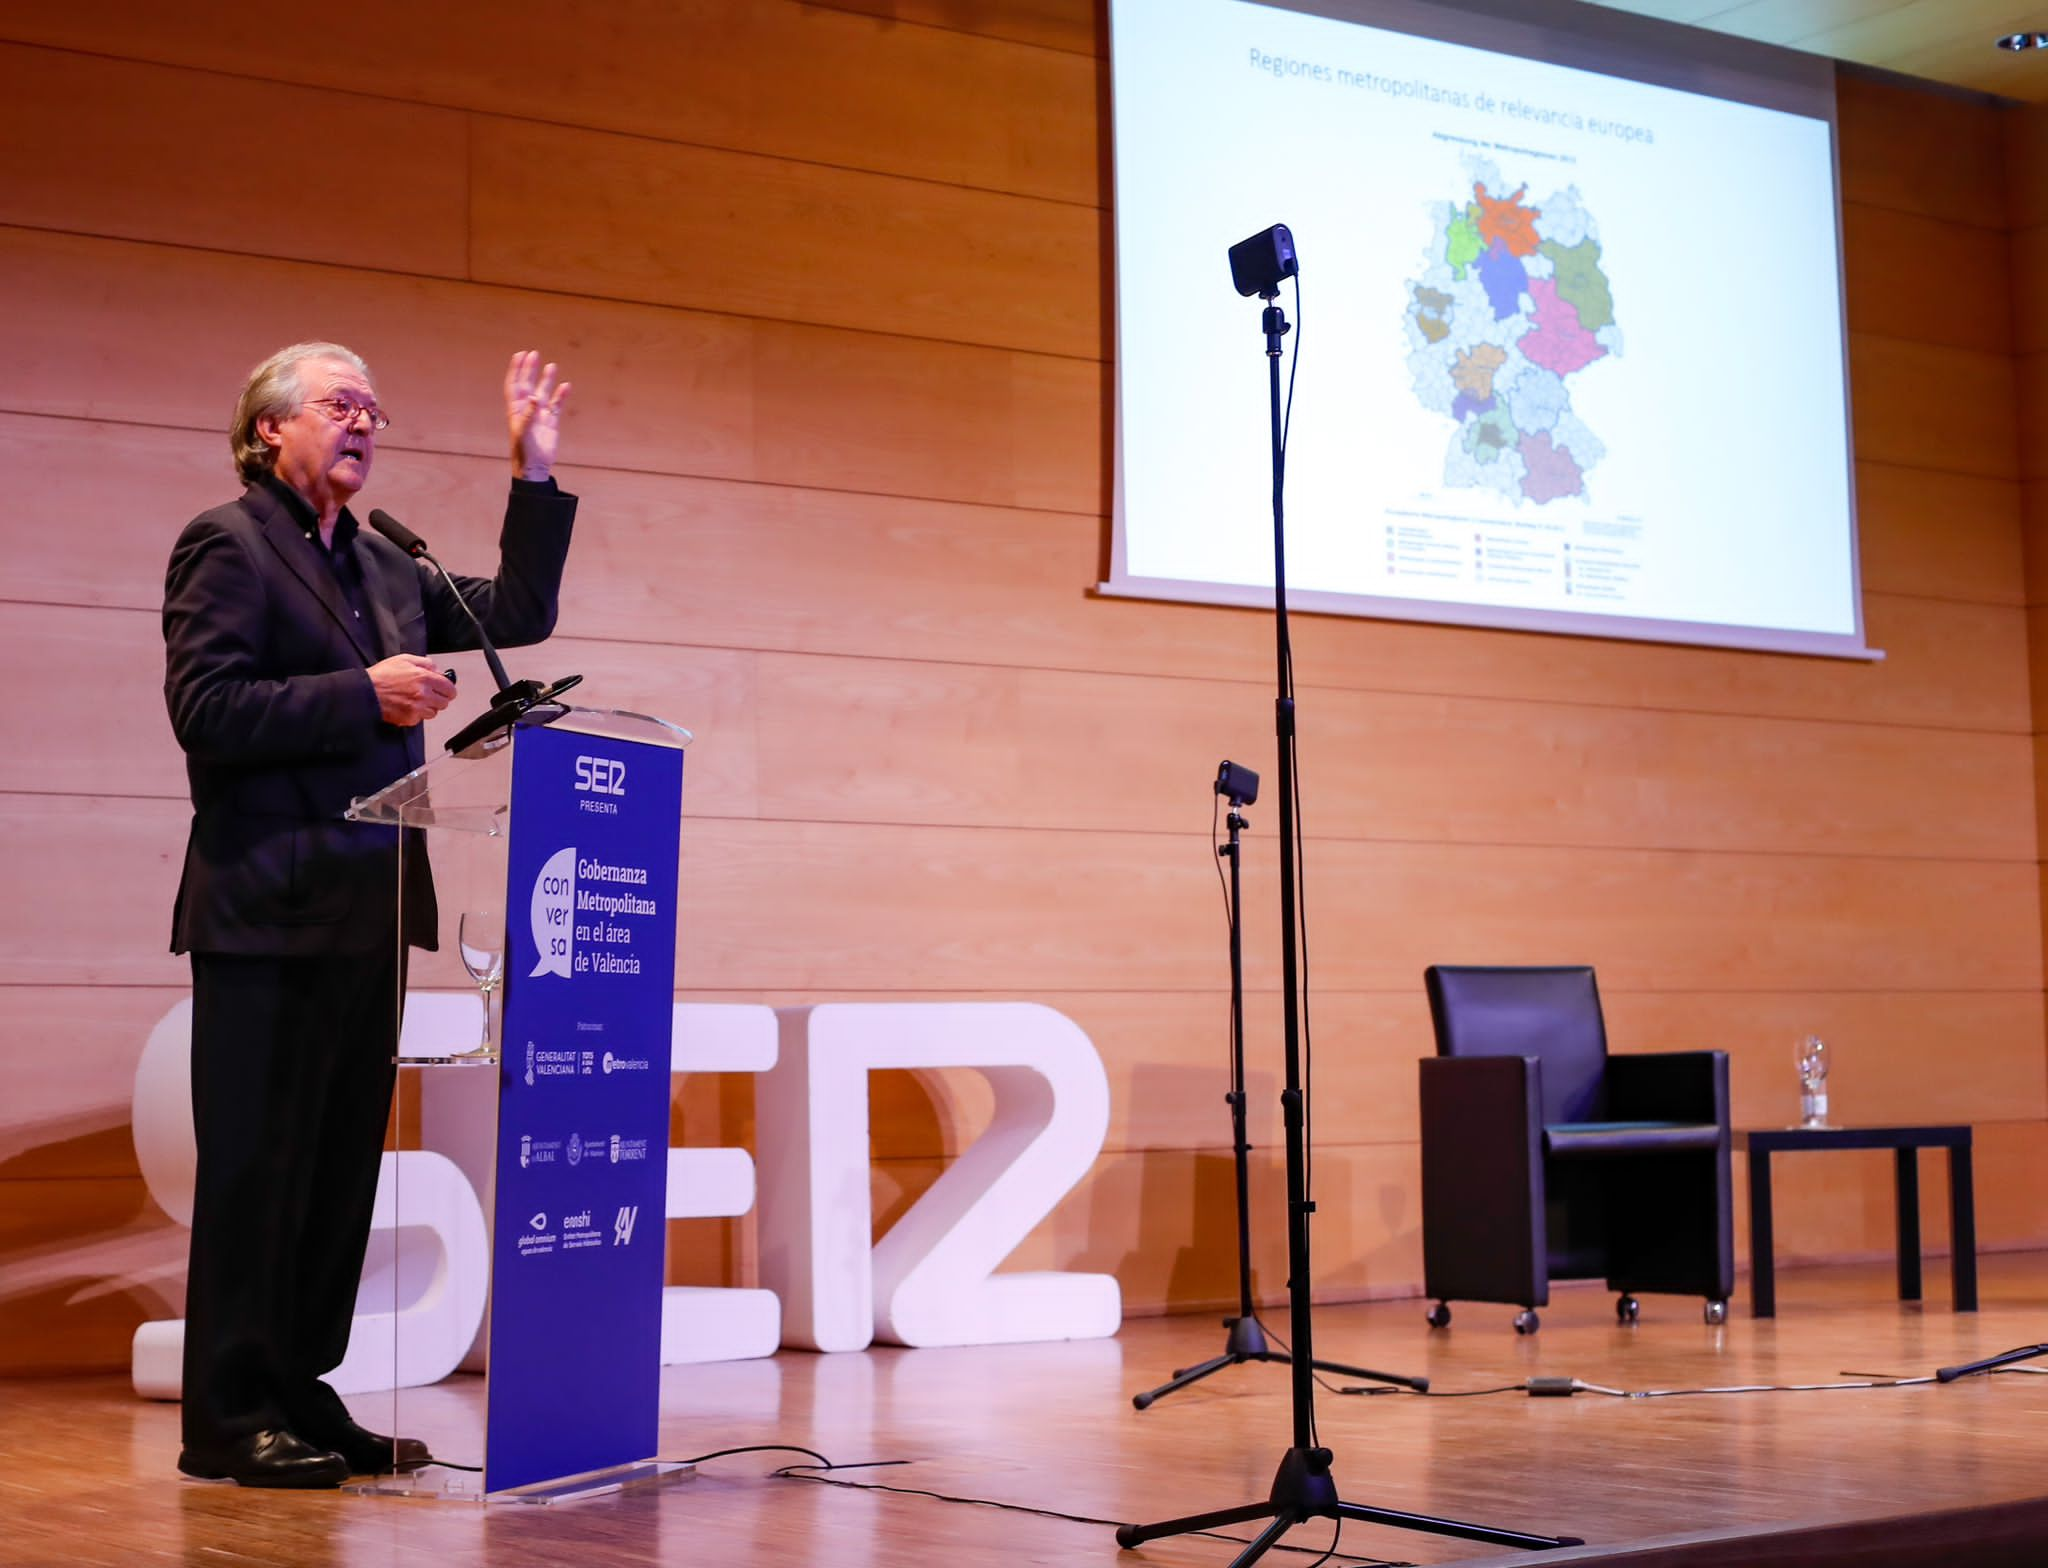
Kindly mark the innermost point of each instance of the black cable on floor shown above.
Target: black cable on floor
(1564, 1387)
(793, 1473)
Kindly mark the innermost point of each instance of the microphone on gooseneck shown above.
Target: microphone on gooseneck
(416, 547)
(490, 728)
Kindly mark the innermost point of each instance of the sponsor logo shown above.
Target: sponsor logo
(549, 910)
(600, 776)
(575, 1149)
(529, 1064)
(525, 1150)
(622, 1225)
(624, 1064)
(538, 1240)
(627, 1150)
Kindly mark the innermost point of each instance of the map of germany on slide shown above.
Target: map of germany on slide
(1512, 304)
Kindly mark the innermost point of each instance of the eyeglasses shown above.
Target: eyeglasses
(343, 412)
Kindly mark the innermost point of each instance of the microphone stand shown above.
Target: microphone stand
(513, 699)
(1303, 1487)
(1246, 1340)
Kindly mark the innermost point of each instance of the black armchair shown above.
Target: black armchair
(1545, 1158)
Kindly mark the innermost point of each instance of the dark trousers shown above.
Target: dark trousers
(291, 1092)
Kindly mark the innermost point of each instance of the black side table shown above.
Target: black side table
(1905, 1144)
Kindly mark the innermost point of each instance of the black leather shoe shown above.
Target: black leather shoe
(274, 1458)
(372, 1453)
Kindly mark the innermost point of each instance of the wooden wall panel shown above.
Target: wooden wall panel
(662, 390)
(106, 672)
(2030, 376)
(1974, 554)
(2025, 136)
(1929, 645)
(87, 1261)
(1904, 1055)
(802, 81)
(1164, 1224)
(2026, 150)
(1077, 26)
(983, 586)
(1931, 406)
(671, 225)
(109, 172)
(2034, 535)
(2028, 269)
(885, 740)
(943, 907)
(1899, 1057)
(2029, 266)
(71, 1054)
(1928, 279)
(796, 905)
(856, 411)
(755, 566)
(1931, 153)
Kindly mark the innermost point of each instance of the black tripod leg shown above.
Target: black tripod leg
(1264, 1541)
(1128, 1535)
(1181, 1379)
(1419, 1384)
(1457, 1527)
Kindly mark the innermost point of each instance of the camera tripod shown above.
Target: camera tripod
(1247, 1336)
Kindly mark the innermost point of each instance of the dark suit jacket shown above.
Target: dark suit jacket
(265, 676)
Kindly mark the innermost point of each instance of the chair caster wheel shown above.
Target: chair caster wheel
(1526, 1321)
(1627, 1309)
(1717, 1311)
(1440, 1315)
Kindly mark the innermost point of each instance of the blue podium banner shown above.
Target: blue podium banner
(583, 1107)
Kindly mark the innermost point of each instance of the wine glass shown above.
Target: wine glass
(1811, 1057)
(480, 935)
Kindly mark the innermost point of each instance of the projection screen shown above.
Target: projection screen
(1570, 321)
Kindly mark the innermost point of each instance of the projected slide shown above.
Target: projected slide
(1571, 343)
(1496, 362)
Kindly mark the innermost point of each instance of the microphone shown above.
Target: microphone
(513, 698)
(391, 528)
(416, 547)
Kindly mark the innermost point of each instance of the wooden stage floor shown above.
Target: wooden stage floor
(86, 1471)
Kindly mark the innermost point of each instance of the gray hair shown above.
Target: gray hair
(276, 388)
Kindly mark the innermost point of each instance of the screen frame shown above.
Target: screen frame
(1587, 36)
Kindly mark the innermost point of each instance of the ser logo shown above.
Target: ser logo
(601, 775)
(622, 1225)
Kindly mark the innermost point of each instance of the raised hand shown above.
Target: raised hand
(533, 414)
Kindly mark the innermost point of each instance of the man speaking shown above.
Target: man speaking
(297, 676)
